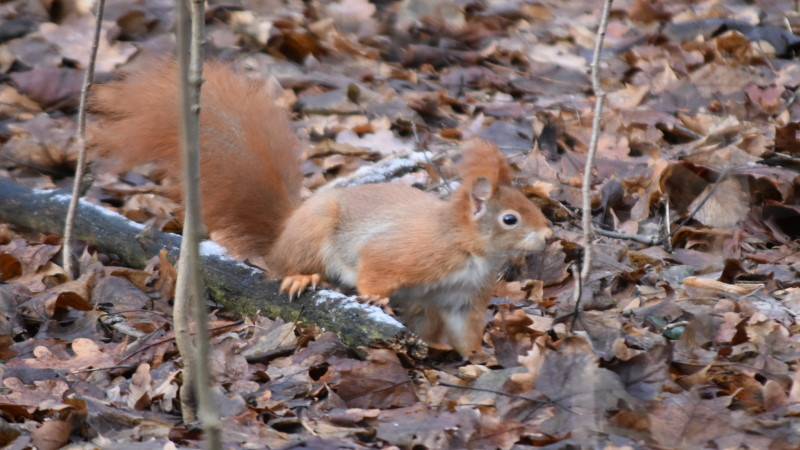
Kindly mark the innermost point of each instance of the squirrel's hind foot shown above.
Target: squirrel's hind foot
(297, 284)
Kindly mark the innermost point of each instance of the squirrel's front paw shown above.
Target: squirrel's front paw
(296, 284)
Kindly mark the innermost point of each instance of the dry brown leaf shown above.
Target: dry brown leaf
(52, 435)
(654, 366)
(51, 87)
(724, 208)
(380, 382)
(30, 398)
(167, 277)
(73, 38)
(42, 142)
(14, 104)
(686, 420)
(629, 97)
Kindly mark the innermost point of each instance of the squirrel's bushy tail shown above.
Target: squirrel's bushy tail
(250, 159)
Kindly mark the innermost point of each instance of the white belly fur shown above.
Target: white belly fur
(456, 291)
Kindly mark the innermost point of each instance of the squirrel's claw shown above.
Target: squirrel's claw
(374, 299)
(296, 284)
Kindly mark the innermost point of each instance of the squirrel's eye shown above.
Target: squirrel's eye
(510, 219)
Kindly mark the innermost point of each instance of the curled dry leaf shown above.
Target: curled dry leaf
(140, 388)
(718, 286)
(56, 301)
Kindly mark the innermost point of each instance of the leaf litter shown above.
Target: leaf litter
(689, 339)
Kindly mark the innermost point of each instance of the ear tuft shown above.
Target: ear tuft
(483, 159)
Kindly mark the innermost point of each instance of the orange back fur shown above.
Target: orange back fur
(250, 160)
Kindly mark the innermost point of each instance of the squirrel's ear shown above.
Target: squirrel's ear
(480, 192)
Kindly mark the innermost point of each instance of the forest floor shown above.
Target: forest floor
(688, 335)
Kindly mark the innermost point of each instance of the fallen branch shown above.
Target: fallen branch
(235, 285)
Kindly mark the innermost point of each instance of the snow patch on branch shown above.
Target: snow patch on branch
(55, 195)
(351, 302)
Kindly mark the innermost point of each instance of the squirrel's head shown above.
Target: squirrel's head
(505, 219)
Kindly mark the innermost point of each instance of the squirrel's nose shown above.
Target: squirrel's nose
(547, 233)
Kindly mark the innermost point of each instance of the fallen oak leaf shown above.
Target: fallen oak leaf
(44, 143)
(88, 355)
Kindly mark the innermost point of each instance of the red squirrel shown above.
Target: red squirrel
(435, 260)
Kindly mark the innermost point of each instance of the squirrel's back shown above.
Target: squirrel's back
(250, 159)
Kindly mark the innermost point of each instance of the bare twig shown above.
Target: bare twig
(269, 355)
(171, 338)
(182, 307)
(600, 96)
(426, 152)
(190, 289)
(687, 131)
(100, 369)
(646, 240)
(88, 79)
(537, 403)
(209, 414)
(141, 311)
(667, 220)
